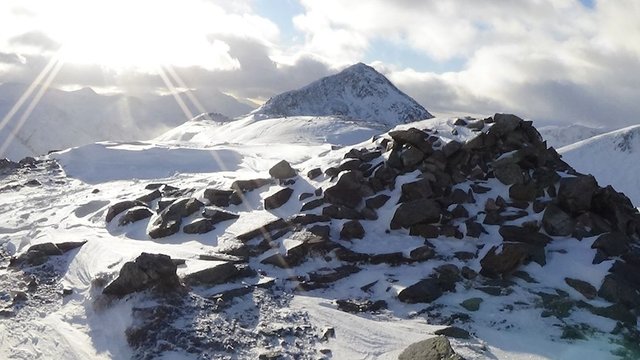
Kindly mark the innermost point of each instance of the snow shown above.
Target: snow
(209, 153)
(558, 136)
(611, 157)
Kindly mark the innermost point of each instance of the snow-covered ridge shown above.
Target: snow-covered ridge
(613, 158)
(358, 92)
(563, 135)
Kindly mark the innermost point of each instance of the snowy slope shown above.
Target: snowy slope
(64, 119)
(358, 92)
(563, 135)
(613, 158)
(71, 202)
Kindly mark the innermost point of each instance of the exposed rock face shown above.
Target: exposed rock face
(148, 271)
(282, 170)
(352, 230)
(214, 275)
(424, 291)
(415, 212)
(169, 220)
(39, 254)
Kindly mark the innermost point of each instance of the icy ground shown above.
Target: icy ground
(68, 203)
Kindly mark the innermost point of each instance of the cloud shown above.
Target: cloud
(35, 39)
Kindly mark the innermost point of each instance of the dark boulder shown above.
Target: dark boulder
(504, 124)
(523, 192)
(314, 173)
(420, 189)
(134, 214)
(377, 201)
(341, 212)
(583, 287)
(39, 254)
(556, 222)
(422, 253)
(118, 208)
(347, 191)
(415, 212)
(278, 199)
(510, 258)
(147, 198)
(200, 226)
(282, 170)
(509, 174)
(214, 275)
(424, 291)
(575, 193)
(243, 186)
(411, 157)
(523, 235)
(612, 244)
(218, 197)
(352, 230)
(454, 332)
(148, 271)
(310, 205)
(414, 137)
(217, 215)
(169, 220)
(618, 290)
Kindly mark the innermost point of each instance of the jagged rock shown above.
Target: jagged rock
(424, 291)
(523, 235)
(347, 191)
(575, 194)
(349, 165)
(415, 212)
(282, 170)
(510, 258)
(215, 275)
(436, 348)
(612, 244)
(509, 174)
(341, 212)
(118, 208)
(411, 157)
(504, 124)
(451, 148)
(169, 220)
(218, 197)
(310, 205)
(134, 214)
(523, 192)
(217, 215)
(459, 196)
(314, 173)
(377, 201)
(243, 186)
(363, 154)
(583, 287)
(147, 198)
(414, 137)
(352, 230)
(556, 222)
(200, 226)
(356, 307)
(39, 254)
(420, 189)
(148, 271)
(474, 229)
(293, 257)
(454, 332)
(459, 212)
(472, 304)
(619, 291)
(616, 312)
(278, 199)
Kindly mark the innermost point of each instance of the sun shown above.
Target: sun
(141, 34)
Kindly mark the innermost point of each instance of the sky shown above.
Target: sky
(572, 61)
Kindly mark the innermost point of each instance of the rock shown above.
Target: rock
(377, 201)
(314, 173)
(509, 174)
(282, 170)
(243, 186)
(148, 271)
(39, 254)
(214, 275)
(420, 189)
(278, 199)
(341, 212)
(468, 273)
(451, 148)
(424, 291)
(459, 212)
(436, 348)
(422, 253)
(425, 230)
(524, 235)
(479, 189)
(117, 208)
(134, 214)
(472, 304)
(169, 220)
(509, 259)
(556, 222)
(411, 157)
(200, 226)
(454, 332)
(616, 312)
(474, 229)
(217, 215)
(310, 205)
(356, 307)
(352, 230)
(619, 291)
(587, 290)
(416, 138)
(347, 191)
(523, 192)
(504, 124)
(575, 194)
(612, 244)
(147, 198)
(304, 196)
(218, 197)
(415, 212)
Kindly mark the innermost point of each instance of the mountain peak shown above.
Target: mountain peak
(358, 92)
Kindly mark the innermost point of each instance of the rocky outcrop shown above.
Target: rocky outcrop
(148, 271)
(436, 348)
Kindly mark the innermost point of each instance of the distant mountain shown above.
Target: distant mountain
(358, 92)
(562, 135)
(612, 158)
(65, 119)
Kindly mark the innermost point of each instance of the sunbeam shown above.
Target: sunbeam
(194, 100)
(175, 93)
